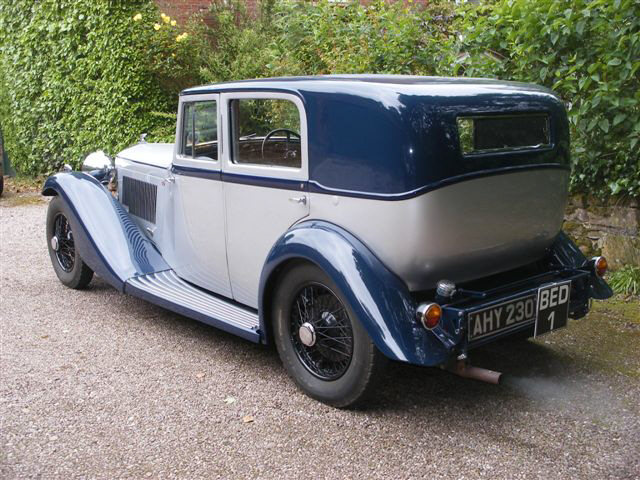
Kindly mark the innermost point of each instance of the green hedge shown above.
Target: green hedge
(78, 75)
(81, 75)
(588, 52)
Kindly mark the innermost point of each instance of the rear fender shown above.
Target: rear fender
(106, 237)
(379, 298)
(569, 255)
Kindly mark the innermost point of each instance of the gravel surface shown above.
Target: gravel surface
(95, 384)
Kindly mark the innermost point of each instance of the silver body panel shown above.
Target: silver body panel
(459, 232)
(155, 154)
(256, 218)
(199, 251)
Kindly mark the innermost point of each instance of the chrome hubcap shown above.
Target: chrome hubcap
(55, 244)
(307, 334)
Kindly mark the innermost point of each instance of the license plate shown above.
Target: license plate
(502, 317)
(553, 307)
(548, 309)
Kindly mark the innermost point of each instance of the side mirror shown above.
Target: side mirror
(99, 165)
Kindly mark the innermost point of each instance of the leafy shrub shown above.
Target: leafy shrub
(77, 75)
(626, 280)
(587, 51)
(304, 38)
(80, 75)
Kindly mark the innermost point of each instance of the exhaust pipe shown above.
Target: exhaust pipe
(462, 369)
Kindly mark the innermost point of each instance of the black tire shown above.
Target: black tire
(67, 263)
(344, 383)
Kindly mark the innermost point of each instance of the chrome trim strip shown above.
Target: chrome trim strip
(167, 286)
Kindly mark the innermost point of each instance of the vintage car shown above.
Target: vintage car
(347, 219)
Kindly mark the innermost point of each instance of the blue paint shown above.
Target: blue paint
(315, 187)
(394, 135)
(109, 242)
(196, 172)
(379, 298)
(259, 181)
(253, 180)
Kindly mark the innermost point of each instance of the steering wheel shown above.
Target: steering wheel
(273, 132)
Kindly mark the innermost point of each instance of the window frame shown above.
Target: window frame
(188, 161)
(274, 171)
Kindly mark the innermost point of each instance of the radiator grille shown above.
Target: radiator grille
(140, 197)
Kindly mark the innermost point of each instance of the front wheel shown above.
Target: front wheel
(67, 263)
(321, 343)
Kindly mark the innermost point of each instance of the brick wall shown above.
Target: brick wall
(181, 10)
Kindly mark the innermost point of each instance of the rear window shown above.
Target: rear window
(503, 133)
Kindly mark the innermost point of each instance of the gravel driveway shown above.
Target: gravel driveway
(96, 384)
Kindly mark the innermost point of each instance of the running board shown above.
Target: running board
(169, 291)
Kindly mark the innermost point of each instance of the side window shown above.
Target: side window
(266, 131)
(200, 130)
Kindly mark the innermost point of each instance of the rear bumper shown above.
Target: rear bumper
(564, 263)
(458, 312)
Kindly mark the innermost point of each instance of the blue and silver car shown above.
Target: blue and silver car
(349, 220)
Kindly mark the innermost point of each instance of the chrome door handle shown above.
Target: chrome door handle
(302, 200)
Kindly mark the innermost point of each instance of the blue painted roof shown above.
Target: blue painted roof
(395, 136)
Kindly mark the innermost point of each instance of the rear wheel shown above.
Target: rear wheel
(321, 343)
(67, 263)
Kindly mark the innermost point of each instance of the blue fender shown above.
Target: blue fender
(108, 241)
(379, 298)
(569, 255)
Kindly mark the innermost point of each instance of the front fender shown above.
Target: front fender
(379, 298)
(108, 241)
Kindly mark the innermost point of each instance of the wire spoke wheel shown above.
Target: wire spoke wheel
(65, 251)
(321, 332)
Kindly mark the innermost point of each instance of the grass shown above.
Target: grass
(625, 281)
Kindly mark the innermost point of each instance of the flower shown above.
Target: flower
(173, 23)
(156, 26)
(181, 37)
(137, 16)
(165, 18)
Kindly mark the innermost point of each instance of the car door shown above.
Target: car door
(265, 173)
(199, 254)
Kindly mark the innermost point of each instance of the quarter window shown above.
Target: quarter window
(266, 131)
(200, 130)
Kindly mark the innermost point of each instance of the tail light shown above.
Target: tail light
(600, 266)
(429, 314)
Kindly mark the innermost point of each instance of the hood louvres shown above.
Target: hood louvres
(140, 197)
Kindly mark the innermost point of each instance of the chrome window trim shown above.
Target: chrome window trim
(289, 173)
(182, 160)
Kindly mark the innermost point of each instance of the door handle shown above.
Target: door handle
(301, 200)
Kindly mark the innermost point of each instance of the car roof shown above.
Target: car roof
(350, 82)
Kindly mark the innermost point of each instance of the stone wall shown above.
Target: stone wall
(612, 230)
